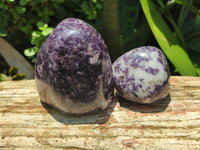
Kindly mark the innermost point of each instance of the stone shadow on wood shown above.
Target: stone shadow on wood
(99, 117)
(156, 107)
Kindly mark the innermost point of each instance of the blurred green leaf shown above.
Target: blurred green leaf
(160, 2)
(111, 28)
(21, 10)
(16, 16)
(36, 40)
(85, 7)
(36, 33)
(42, 26)
(194, 25)
(10, 1)
(47, 31)
(12, 71)
(194, 44)
(94, 1)
(23, 2)
(188, 26)
(88, 11)
(46, 11)
(137, 38)
(92, 15)
(19, 76)
(99, 6)
(179, 1)
(128, 24)
(33, 60)
(3, 32)
(189, 5)
(198, 71)
(26, 28)
(197, 21)
(61, 12)
(2, 6)
(4, 77)
(167, 41)
(30, 51)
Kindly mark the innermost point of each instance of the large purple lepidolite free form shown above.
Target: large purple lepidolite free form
(141, 75)
(73, 69)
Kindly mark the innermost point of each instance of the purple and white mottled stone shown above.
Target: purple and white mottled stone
(74, 70)
(141, 75)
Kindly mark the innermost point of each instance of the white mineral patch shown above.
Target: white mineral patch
(140, 73)
(49, 96)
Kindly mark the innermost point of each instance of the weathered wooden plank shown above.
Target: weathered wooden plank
(173, 123)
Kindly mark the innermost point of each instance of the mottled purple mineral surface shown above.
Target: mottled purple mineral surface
(141, 75)
(73, 69)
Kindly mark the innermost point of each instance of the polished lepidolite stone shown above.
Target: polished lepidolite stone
(142, 74)
(73, 69)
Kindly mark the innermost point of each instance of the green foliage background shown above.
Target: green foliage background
(124, 24)
(33, 21)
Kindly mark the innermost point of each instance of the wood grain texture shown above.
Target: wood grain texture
(173, 123)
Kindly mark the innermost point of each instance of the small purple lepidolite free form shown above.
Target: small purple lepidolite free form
(141, 75)
(73, 69)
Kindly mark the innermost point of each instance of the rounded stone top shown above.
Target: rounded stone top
(141, 74)
(74, 62)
